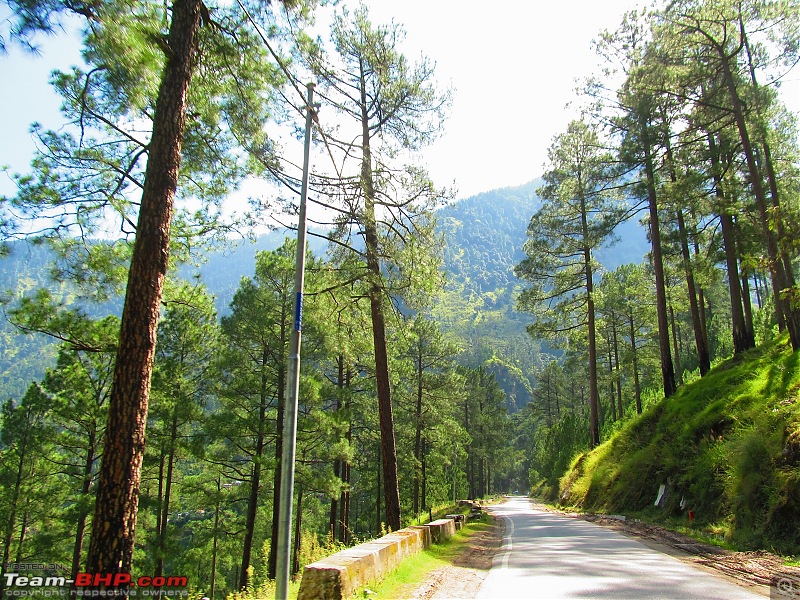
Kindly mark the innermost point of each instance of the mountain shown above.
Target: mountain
(224, 268)
(484, 235)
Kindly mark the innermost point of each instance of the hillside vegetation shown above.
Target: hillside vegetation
(727, 447)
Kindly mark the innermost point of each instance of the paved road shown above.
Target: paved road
(547, 556)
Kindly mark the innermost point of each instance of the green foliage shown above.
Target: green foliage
(726, 443)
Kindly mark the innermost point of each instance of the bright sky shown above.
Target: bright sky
(513, 65)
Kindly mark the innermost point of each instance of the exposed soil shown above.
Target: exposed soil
(464, 577)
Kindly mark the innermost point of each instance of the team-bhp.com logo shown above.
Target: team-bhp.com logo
(20, 584)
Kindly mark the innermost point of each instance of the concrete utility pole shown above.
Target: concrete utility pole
(293, 380)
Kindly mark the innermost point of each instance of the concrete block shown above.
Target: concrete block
(441, 529)
(459, 520)
(425, 531)
(340, 575)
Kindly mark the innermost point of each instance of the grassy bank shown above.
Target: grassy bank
(727, 448)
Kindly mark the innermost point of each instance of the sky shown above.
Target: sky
(513, 65)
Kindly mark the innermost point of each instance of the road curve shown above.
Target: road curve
(548, 556)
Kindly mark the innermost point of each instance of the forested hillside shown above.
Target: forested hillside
(484, 236)
(726, 448)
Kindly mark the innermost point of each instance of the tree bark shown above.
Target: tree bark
(418, 432)
(213, 583)
(298, 523)
(86, 486)
(337, 464)
(255, 476)
(618, 379)
(676, 344)
(637, 386)
(114, 523)
(746, 302)
(344, 502)
(612, 390)
(272, 565)
(667, 368)
(391, 484)
(741, 340)
(164, 509)
(701, 343)
(594, 394)
(12, 512)
(780, 278)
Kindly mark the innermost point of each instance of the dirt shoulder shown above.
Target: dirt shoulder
(464, 577)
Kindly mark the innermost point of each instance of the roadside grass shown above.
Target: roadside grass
(413, 571)
(726, 446)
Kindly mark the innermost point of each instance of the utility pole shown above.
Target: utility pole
(293, 379)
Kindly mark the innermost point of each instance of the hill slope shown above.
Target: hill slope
(726, 447)
(484, 236)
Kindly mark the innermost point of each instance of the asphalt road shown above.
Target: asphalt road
(548, 556)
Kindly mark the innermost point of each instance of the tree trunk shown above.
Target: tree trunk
(759, 293)
(701, 343)
(114, 523)
(741, 341)
(637, 386)
(617, 378)
(424, 476)
(780, 277)
(667, 368)
(255, 476)
(769, 164)
(23, 527)
(391, 484)
(378, 510)
(272, 565)
(162, 533)
(746, 302)
(612, 390)
(418, 433)
(12, 511)
(298, 523)
(594, 394)
(675, 344)
(213, 583)
(337, 464)
(481, 477)
(344, 508)
(80, 529)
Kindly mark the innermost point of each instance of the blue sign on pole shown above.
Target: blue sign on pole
(298, 312)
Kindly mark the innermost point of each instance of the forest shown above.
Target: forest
(450, 349)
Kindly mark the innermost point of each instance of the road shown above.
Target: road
(548, 556)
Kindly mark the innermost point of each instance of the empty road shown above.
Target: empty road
(548, 556)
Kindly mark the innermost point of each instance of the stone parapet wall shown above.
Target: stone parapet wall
(338, 576)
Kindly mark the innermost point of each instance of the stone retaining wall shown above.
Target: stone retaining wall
(338, 576)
